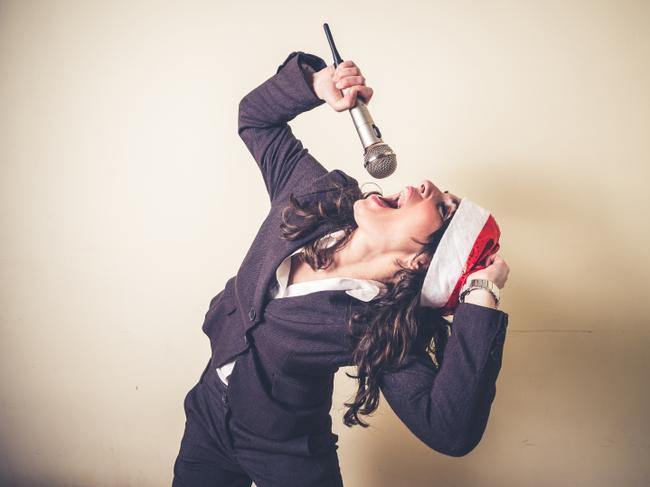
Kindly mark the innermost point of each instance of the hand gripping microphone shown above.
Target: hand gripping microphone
(379, 159)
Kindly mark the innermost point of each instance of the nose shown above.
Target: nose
(427, 188)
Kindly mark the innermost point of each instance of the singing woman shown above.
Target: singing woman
(338, 277)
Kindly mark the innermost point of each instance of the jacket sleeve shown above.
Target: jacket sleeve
(263, 115)
(448, 407)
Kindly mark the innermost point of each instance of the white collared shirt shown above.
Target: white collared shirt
(362, 289)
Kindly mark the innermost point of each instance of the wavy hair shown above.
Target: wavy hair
(388, 327)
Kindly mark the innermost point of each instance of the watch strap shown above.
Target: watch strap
(480, 284)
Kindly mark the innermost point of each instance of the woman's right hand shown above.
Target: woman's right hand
(496, 271)
(329, 81)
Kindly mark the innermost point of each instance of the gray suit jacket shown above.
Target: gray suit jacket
(288, 349)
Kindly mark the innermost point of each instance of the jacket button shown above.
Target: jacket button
(224, 398)
(251, 314)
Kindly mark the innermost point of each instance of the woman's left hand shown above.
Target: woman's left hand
(329, 81)
(496, 271)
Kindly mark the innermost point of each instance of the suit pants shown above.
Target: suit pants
(215, 452)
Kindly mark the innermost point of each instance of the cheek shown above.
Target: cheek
(427, 223)
(421, 224)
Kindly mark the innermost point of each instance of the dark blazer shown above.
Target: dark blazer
(289, 349)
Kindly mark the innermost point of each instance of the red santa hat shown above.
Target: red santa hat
(471, 237)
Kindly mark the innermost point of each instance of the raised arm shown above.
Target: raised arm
(263, 115)
(448, 408)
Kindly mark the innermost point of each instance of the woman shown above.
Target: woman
(333, 278)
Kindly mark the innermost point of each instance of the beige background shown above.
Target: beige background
(128, 200)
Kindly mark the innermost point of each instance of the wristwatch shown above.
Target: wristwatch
(479, 284)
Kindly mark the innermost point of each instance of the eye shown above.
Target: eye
(443, 210)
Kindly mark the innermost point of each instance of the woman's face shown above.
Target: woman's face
(413, 213)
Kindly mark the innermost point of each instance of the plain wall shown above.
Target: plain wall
(128, 199)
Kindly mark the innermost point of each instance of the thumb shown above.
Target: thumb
(349, 98)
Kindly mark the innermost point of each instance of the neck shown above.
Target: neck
(362, 258)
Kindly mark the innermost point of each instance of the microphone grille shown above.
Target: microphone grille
(379, 160)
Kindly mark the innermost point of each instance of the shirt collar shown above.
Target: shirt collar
(362, 289)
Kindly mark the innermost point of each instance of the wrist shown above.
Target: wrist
(308, 74)
(481, 297)
(313, 78)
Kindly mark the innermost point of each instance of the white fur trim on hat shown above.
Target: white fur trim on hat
(449, 261)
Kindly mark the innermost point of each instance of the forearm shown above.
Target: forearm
(264, 114)
(284, 95)
(447, 408)
(465, 385)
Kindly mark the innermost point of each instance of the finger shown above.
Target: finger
(341, 103)
(348, 100)
(352, 95)
(365, 93)
(346, 64)
(350, 81)
(343, 72)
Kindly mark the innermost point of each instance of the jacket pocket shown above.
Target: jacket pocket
(223, 304)
(307, 445)
(229, 300)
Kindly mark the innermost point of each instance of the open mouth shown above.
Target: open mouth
(389, 201)
(394, 201)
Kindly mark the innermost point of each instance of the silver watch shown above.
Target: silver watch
(479, 284)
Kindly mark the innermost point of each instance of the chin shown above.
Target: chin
(358, 210)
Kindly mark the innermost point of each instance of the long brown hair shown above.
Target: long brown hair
(392, 324)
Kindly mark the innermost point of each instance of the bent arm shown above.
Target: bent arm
(448, 407)
(263, 115)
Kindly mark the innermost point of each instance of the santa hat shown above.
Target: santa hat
(471, 237)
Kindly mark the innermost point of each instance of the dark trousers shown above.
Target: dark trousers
(215, 452)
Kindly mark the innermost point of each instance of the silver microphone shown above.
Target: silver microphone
(379, 159)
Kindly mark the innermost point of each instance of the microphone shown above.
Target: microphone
(379, 159)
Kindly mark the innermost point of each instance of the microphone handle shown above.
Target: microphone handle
(368, 132)
(366, 129)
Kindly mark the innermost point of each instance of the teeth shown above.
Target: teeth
(390, 202)
(393, 201)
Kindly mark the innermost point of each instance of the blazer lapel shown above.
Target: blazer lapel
(326, 186)
(282, 249)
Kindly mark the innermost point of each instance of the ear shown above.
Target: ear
(416, 261)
